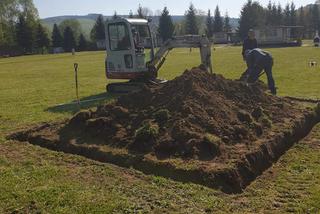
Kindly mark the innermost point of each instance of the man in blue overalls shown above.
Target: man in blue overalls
(257, 61)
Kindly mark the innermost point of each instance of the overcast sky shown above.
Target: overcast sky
(49, 8)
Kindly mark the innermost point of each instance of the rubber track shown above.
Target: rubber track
(303, 99)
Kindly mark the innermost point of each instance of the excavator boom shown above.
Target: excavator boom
(188, 41)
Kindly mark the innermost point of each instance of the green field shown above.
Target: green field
(34, 179)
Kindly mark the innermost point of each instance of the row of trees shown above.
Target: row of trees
(254, 15)
(22, 33)
(20, 27)
(217, 23)
(71, 30)
(68, 39)
(34, 40)
(30, 35)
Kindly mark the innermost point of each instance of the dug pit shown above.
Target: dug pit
(199, 128)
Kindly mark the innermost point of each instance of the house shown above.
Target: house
(279, 36)
(221, 38)
(226, 38)
(57, 50)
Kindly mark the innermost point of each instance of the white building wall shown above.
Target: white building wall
(271, 36)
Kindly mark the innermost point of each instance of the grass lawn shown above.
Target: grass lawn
(34, 179)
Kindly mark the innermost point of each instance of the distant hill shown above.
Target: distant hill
(87, 21)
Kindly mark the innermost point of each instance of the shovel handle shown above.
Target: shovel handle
(76, 80)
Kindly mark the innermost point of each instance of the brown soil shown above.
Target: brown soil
(198, 118)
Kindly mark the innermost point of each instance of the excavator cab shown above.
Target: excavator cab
(126, 44)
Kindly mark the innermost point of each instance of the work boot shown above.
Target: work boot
(273, 91)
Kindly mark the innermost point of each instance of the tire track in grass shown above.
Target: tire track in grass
(296, 183)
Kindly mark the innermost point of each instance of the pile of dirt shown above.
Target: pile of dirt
(197, 115)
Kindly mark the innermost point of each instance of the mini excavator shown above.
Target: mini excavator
(131, 53)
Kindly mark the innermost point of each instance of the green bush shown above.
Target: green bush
(211, 145)
(146, 132)
(212, 138)
(244, 116)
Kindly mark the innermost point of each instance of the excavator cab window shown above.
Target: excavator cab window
(142, 40)
(119, 37)
(137, 40)
(143, 35)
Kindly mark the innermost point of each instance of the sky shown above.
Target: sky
(49, 8)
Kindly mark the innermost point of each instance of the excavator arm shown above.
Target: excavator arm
(188, 41)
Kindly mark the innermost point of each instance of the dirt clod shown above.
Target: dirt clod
(81, 117)
(266, 122)
(119, 112)
(244, 116)
(257, 113)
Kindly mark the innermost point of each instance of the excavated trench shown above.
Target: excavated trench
(198, 128)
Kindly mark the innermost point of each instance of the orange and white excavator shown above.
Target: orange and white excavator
(127, 41)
